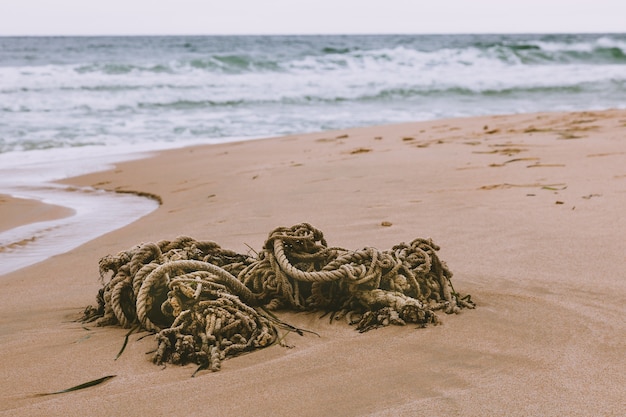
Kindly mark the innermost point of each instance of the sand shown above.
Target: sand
(527, 209)
(16, 212)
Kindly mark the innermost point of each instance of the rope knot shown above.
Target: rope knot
(203, 302)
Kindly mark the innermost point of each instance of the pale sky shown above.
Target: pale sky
(206, 17)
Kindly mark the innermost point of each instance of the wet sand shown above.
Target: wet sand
(16, 212)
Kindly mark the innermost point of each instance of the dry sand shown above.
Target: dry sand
(528, 210)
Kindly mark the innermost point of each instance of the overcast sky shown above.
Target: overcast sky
(172, 17)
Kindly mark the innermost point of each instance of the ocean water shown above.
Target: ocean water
(67, 92)
(69, 105)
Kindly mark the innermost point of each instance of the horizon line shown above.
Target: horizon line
(70, 35)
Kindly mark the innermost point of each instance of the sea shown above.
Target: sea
(72, 105)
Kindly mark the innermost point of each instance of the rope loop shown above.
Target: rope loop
(206, 303)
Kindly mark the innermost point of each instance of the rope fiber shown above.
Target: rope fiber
(206, 303)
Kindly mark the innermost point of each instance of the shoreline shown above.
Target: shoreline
(69, 216)
(16, 212)
(40, 176)
(527, 211)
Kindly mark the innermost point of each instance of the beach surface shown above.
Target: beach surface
(528, 211)
(19, 211)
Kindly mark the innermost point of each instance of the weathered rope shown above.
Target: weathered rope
(206, 303)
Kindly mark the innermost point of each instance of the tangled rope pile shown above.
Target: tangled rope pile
(206, 303)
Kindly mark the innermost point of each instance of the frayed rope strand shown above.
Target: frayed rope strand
(206, 303)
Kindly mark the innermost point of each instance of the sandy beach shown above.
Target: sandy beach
(19, 211)
(528, 211)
